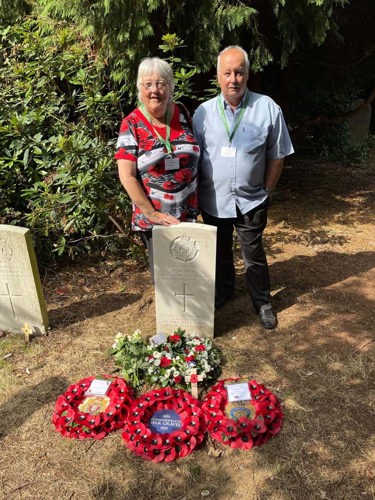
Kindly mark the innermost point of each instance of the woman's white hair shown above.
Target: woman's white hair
(231, 47)
(155, 66)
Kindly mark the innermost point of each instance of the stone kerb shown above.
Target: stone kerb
(21, 294)
(184, 273)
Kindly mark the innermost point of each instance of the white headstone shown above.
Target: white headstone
(21, 294)
(184, 274)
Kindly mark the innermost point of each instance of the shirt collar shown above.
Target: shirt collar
(226, 104)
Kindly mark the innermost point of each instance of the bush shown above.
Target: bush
(59, 117)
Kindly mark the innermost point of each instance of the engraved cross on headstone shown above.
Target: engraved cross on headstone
(10, 295)
(184, 294)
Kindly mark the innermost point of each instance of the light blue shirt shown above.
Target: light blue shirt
(229, 182)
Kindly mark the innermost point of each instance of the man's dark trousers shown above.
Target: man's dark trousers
(249, 227)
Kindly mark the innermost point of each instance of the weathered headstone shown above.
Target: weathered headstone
(359, 124)
(21, 294)
(184, 273)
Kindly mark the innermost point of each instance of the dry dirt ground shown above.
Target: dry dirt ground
(319, 361)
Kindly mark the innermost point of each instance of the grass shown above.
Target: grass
(319, 361)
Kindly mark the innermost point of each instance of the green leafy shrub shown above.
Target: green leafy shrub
(58, 120)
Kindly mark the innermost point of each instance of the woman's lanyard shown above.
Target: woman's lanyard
(239, 116)
(170, 162)
(166, 141)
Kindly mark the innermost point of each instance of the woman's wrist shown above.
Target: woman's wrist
(149, 213)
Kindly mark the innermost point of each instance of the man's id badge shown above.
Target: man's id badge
(172, 163)
(228, 152)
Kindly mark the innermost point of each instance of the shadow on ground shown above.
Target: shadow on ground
(18, 409)
(90, 308)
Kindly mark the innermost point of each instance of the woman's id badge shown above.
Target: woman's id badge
(172, 163)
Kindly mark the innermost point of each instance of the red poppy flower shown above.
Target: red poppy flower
(147, 443)
(70, 421)
(189, 359)
(242, 441)
(244, 432)
(177, 379)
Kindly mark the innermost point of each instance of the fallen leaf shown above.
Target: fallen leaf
(213, 452)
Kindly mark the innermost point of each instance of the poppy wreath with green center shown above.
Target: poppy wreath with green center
(70, 422)
(244, 432)
(156, 446)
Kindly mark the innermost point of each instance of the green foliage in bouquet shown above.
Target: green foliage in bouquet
(167, 363)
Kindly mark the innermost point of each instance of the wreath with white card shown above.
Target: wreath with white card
(92, 407)
(242, 414)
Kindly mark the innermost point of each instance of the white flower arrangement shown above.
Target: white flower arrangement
(167, 363)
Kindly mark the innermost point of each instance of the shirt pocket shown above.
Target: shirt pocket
(252, 139)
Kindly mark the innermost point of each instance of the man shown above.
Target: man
(243, 139)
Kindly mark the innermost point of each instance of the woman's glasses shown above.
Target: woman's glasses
(159, 85)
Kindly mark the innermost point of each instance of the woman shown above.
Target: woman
(157, 155)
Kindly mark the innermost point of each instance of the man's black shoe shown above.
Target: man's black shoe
(267, 317)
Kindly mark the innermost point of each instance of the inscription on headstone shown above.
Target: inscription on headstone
(21, 295)
(184, 274)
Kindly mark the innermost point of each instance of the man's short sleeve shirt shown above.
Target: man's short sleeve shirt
(227, 182)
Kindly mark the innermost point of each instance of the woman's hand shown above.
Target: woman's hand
(128, 177)
(162, 219)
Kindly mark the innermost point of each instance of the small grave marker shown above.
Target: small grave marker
(27, 331)
(193, 378)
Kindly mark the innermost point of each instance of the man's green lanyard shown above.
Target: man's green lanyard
(239, 117)
(166, 142)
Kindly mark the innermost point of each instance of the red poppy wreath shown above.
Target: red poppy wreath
(80, 414)
(253, 424)
(164, 424)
